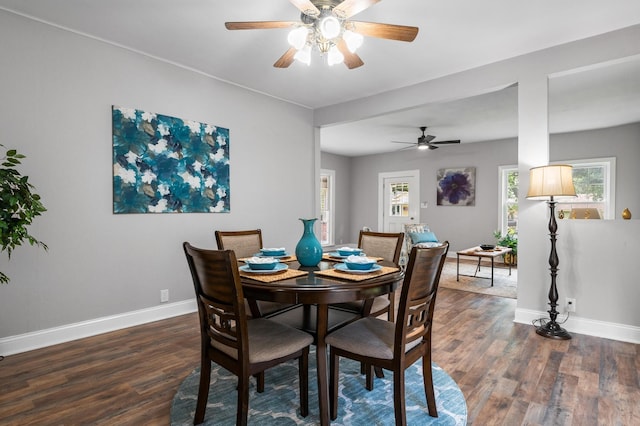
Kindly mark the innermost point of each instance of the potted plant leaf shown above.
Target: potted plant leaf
(510, 240)
(18, 206)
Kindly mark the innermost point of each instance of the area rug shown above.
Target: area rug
(279, 404)
(504, 285)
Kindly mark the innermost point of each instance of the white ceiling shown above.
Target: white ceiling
(454, 35)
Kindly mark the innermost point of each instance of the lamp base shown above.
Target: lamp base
(553, 331)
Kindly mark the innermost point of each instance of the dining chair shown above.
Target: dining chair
(243, 346)
(395, 347)
(247, 244)
(385, 245)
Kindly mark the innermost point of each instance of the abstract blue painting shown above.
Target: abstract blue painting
(164, 164)
(456, 187)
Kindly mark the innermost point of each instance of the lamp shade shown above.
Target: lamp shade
(550, 181)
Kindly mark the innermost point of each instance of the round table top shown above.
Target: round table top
(316, 289)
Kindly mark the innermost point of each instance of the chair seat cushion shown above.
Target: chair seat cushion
(269, 340)
(368, 336)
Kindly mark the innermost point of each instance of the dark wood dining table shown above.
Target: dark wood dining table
(311, 294)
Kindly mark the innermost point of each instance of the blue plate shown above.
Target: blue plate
(353, 251)
(279, 268)
(263, 266)
(275, 257)
(339, 256)
(272, 252)
(343, 268)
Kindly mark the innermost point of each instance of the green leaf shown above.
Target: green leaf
(18, 207)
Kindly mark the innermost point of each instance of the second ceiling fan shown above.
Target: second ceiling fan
(425, 141)
(324, 25)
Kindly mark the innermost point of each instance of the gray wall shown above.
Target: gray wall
(57, 90)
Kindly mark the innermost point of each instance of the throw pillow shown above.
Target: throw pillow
(423, 237)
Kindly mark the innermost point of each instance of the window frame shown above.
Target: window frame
(503, 221)
(331, 219)
(609, 196)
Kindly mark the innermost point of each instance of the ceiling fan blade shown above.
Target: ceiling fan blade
(432, 146)
(351, 60)
(306, 7)
(428, 138)
(348, 8)
(409, 143)
(287, 59)
(259, 25)
(446, 142)
(386, 31)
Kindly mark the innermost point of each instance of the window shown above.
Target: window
(327, 200)
(399, 199)
(594, 180)
(508, 199)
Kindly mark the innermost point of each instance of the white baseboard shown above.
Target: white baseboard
(53, 336)
(607, 330)
(56, 335)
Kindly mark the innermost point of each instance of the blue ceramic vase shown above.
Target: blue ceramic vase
(308, 249)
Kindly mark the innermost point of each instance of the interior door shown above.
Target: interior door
(400, 199)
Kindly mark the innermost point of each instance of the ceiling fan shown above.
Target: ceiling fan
(325, 26)
(424, 141)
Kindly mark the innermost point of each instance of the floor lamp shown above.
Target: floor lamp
(545, 183)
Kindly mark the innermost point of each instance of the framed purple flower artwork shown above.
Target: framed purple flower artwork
(457, 187)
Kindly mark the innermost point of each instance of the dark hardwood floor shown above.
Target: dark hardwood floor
(509, 375)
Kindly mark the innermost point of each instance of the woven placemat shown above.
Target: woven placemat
(278, 276)
(334, 273)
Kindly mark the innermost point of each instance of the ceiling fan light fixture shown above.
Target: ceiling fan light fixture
(330, 27)
(298, 37)
(304, 55)
(353, 40)
(423, 146)
(334, 56)
(324, 24)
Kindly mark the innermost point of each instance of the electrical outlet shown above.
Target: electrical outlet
(570, 304)
(164, 296)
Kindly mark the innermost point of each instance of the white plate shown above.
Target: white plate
(275, 257)
(279, 268)
(344, 268)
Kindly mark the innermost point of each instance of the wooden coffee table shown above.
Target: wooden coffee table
(479, 253)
